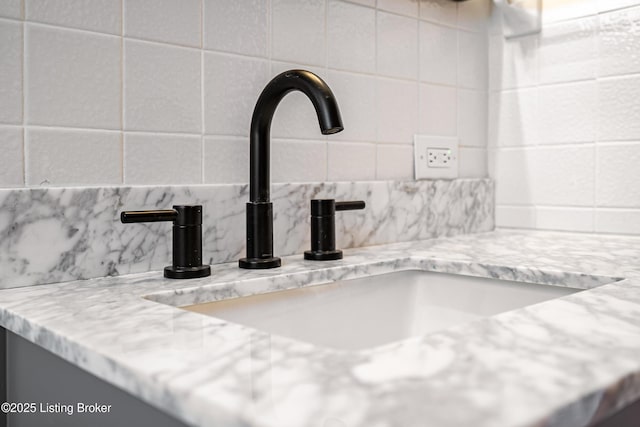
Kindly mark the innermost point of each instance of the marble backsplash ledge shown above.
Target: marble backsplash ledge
(60, 234)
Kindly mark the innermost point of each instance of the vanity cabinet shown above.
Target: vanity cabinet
(34, 374)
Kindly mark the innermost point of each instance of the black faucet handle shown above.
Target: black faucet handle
(350, 206)
(180, 215)
(324, 207)
(323, 228)
(187, 238)
(130, 217)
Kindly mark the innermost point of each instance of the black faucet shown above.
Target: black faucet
(187, 238)
(323, 228)
(259, 208)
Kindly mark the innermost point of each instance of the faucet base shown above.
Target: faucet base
(259, 237)
(323, 255)
(172, 272)
(259, 263)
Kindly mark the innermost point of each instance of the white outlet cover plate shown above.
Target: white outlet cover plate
(422, 144)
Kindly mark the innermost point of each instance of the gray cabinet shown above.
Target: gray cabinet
(33, 374)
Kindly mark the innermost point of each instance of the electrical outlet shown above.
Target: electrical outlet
(436, 157)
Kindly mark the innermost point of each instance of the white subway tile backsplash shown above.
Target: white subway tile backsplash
(512, 171)
(351, 161)
(403, 7)
(11, 9)
(568, 51)
(177, 82)
(472, 117)
(72, 78)
(438, 110)
(438, 54)
(496, 24)
(161, 88)
(356, 95)
(10, 72)
(578, 118)
(371, 3)
(298, 160)
(513, 118)
(472, 162)
(567, 113)
(397, 46)
(513, 62)
(170, 21)
(440, 11)
(618, 175)
(232, 85)
(563, 176)
(618, 221)
(298, 31)
(619, 108)
(103, 16)
(226, 159)
(573, 219)
(515, 216)
(472, 61)
(162, 159)
(550, 96)
(397, 110)
(11, 169)
(473, 15)
(394, 162)
(73, 157)
(496, 60)
(350, 29)
(238, 26)
(620, 42)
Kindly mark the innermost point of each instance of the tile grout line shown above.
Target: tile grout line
(24, 93)
(122, 101)
(574, 207)
(228, 135)
(417, 89)
(377, 91)
(326, 68)
(457, 85)
(376, 99)
(597, 51)
(202, 94)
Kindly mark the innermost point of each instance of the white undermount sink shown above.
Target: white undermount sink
(376, 310)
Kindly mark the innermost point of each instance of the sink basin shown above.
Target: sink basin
(371, 311)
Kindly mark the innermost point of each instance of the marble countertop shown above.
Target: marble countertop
(565, 362)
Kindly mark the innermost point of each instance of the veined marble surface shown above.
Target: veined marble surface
(565, 362)
(50, 235)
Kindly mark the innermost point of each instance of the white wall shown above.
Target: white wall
(161, 91)
(564, 126)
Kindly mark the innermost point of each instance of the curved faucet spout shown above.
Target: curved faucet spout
(326, 108)
(259, 208)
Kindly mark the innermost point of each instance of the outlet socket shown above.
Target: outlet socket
(439, 157)
(435, 157)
